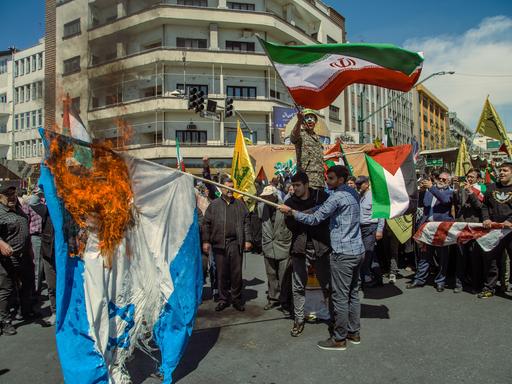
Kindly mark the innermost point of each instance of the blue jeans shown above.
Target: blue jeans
(426, 260)
(346, 306)
(371, 267)
(38, 262)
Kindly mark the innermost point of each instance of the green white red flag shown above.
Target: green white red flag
(393, 181)
(316, 74)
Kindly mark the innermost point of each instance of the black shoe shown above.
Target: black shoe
(297, 329)
(332, 345)
(440, 288)
(221, 306)
(29, 316)
(239, 307)
(270, 305)
(413, 285)
(8, 329)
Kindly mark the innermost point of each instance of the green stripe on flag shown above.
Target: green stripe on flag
(381, 206)
(386, 55)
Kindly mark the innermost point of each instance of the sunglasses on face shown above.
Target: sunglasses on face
(443, 179)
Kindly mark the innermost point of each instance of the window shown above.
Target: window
(16, 68)
(27, 92)
(22, 121)
(241, 92)
(182, 42)
(72, 65)
(72, 29)
(33, 90)
(29, 148)
(27, 119)
(21, 68)
(242, 46)
(27, 64)
(191, 137)
(22, 95)
(3, 66)
(193, 3)
(230, 136)
(152, 91)
(199, 87)
(17, 150)
(40, 61)
(40, 117)
(334, 112)
(33, 62)
(34, 118)
(16, 122)
(241, 6)
(275, 94)
(3, 98)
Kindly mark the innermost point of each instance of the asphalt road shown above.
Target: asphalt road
(417, 336)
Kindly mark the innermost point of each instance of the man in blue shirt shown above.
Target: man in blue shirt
(342, 208)
(371, 231)
(437, 205)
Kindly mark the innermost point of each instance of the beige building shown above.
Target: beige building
(137, 60)
(432, 119)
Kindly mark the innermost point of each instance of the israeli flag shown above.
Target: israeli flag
(150, 295)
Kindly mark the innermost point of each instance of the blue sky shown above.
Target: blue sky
(469, 37)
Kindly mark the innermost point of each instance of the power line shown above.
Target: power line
(483, 74)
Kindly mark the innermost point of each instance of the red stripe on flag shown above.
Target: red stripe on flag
(382, 77)
(471, 233)
(441, 233)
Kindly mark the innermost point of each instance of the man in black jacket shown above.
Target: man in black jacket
(497, 208)
(226, 230)
(310, 245)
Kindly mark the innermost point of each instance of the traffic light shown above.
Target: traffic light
(229, 109)
(192, 99)
(200, 102)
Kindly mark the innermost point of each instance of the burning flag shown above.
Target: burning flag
(315, 75)
(136, 280)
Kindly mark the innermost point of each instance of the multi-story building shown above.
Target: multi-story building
(21, 103)
(138, 60)
(378, 109)
(432, 119)
(458, 130)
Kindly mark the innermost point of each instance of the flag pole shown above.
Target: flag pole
(257, 198)
(260, 39)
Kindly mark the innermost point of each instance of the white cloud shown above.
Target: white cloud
(483, 50)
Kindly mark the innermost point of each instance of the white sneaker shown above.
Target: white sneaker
(392, 278)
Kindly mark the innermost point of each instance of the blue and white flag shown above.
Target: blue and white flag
(150, 295)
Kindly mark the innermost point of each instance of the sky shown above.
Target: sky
(471, 37)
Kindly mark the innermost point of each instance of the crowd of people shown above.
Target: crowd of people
(26, 257)
(322, 220)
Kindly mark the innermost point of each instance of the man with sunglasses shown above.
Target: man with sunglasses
(437, 205)
(308, 148)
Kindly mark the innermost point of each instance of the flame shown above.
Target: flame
(125, 132)
(99, 199)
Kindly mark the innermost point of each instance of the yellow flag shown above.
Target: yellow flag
(463, 160)
(401, 227)
(242, 171)
(490, 125)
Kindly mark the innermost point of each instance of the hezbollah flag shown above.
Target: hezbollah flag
(242, 171)
(463, 164)
(316, 74)
(490, 125)
(393, 181)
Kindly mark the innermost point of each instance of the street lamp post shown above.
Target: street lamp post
(361, 119)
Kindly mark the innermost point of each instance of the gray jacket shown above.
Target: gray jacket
(276, 238)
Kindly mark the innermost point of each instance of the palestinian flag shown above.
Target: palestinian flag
(479, 190)
(315, 75)
(489, 176)
(336, 156)
(393, 182)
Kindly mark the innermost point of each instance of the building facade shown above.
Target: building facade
(21, 103)
(432, 119)
(370, 110)
(458, 130)
(137, 60)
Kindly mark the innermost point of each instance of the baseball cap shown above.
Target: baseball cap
(269, 190)
(7, 184)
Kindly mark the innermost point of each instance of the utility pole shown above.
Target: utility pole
(360, 119)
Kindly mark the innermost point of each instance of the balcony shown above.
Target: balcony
(156, 13)
(4, 109)
(5, 139)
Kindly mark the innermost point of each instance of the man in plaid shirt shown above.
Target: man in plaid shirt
(342, 207)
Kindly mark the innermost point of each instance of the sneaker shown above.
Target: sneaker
(440, 288)
(485, 294)
(392, 278)
(354, 338)
(332, 345)
(297, 329)
(8, 329)
(457, 290)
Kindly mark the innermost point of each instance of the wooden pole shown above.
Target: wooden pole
(257, 198)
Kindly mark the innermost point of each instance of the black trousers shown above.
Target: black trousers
(15, 276)
(494, 263)
(50, 277)
(229, 272)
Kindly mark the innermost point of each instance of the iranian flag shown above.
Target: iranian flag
(316, 74)
(393, 182)
(479, 190)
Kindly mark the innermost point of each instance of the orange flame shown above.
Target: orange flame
(98, 199)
